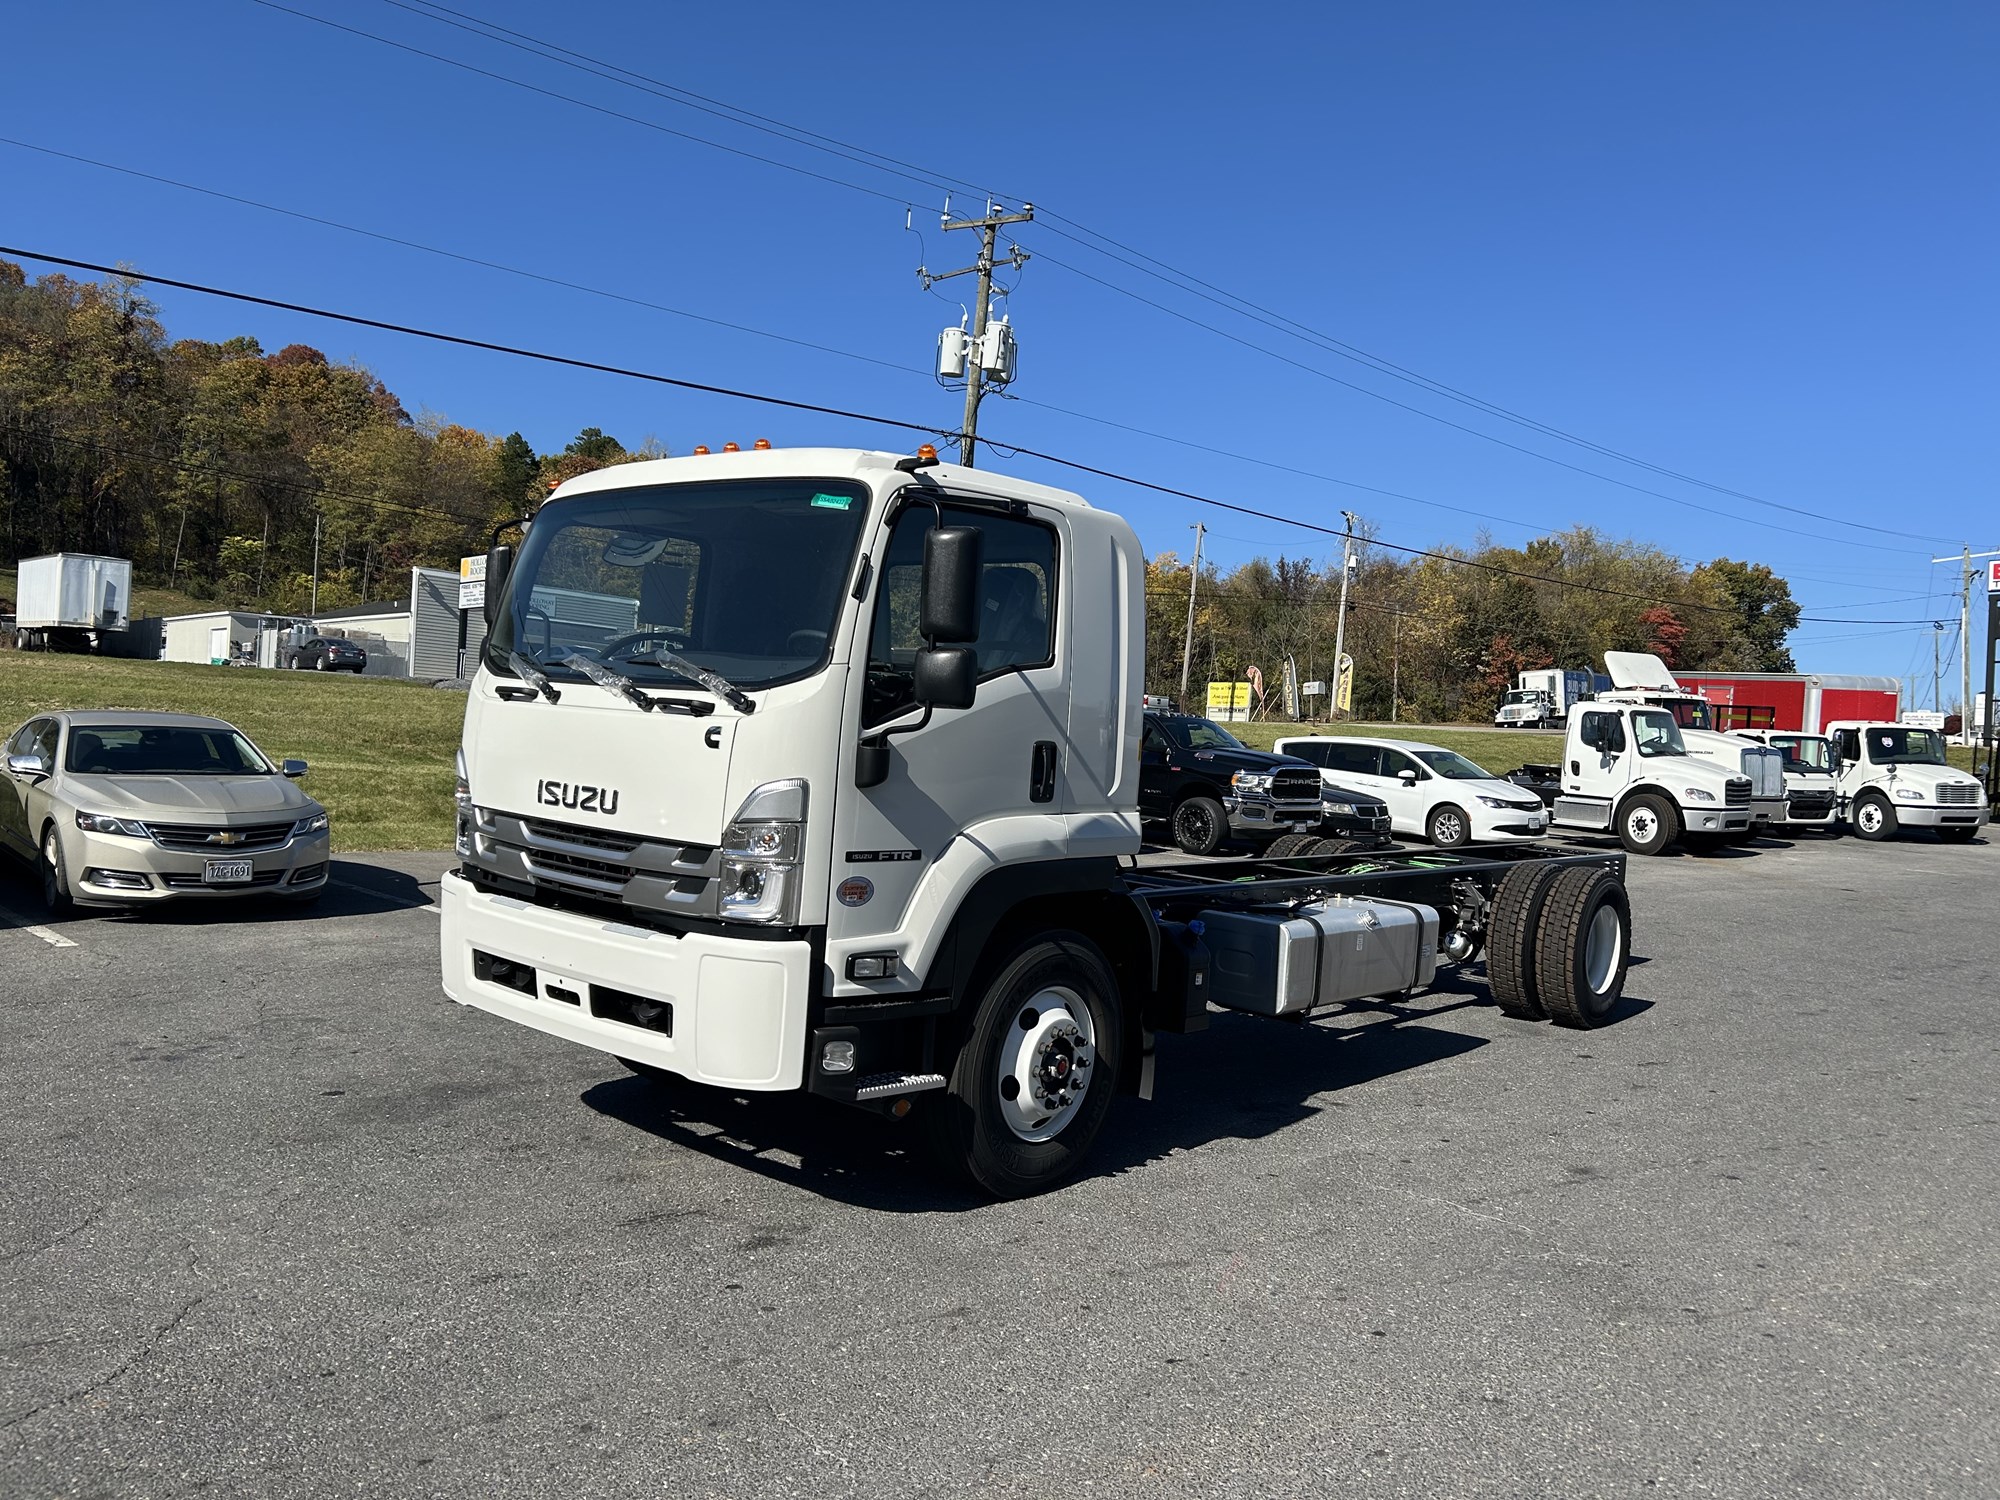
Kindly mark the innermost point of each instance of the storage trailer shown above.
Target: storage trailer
(70, 601)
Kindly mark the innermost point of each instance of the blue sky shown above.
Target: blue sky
(1753, 245)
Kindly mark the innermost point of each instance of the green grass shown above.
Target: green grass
(381, 750)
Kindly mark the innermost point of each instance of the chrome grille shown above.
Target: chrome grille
(1295, 786)
(1738, 793)
(1958, 794)
(204, 839)
(609, 864)
(1766, 770)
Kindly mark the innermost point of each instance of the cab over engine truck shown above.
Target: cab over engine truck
(818, 770)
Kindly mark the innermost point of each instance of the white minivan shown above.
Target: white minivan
(1433, 793)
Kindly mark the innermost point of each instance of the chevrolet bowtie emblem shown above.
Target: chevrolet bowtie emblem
(225, 837)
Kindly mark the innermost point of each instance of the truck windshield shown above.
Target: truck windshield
(1520, 697)
(1655, 733)
(1691, 713)
(1202, 734)
(1899, 745)
(1453, 766)
(744, 578)
(1807, 752)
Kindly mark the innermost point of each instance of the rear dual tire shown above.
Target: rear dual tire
(1558, 944)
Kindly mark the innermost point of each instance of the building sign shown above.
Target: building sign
(1993, 576)
(472, 582)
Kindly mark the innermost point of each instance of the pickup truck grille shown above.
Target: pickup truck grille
(1959, 794)
(216, 839)
(653, 875)
(1301, 785)
(1738, 793)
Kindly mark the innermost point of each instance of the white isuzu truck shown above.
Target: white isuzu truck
(819, 770)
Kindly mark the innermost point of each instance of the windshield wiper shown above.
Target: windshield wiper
(613, 680)
(715, 682)
(533, 675)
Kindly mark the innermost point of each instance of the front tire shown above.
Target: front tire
(1874, 818)
(1448, 827)
(55, 875)
(1200, 825)
(1033, 1081)
(1648, 824)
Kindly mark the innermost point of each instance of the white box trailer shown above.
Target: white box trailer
(68, 600)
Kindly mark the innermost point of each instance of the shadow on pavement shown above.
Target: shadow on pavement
(354, 890)
(1243, 1078)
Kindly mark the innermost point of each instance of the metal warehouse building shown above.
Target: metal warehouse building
(416, 636)
(220, 636)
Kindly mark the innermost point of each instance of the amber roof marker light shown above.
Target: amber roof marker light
(924, 458)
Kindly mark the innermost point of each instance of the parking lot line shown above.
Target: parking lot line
(52, 938)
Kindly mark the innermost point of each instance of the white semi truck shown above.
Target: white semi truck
(1641, 677)
(1894, 776)
(845, 799)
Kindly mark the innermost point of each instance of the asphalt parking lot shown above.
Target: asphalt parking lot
(280, 1220)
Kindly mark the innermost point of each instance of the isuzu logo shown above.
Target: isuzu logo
(577, 797)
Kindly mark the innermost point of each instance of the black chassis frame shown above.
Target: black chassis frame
(1167, 898)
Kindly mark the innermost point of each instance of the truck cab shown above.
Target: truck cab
(1525, 708)
(1626, 770)
(1894, 776)
(1811, 800)
(1640, 677)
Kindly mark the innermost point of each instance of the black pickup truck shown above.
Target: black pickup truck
(1206, 787)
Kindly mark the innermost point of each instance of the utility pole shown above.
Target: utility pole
(315, 597)
(989, 226)
(1187, 644)
(1937, 634)
(1396, 669)
(1965, 560)
(1340, 625)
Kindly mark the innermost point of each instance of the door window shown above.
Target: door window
(1155, 742)
(1395, 763)
(1606, 725)
(1343, 757)
(1016, 604)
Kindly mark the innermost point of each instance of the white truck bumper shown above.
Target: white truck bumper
(737, 1005)
(1940, 817)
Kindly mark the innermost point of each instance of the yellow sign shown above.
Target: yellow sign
(1228, 700)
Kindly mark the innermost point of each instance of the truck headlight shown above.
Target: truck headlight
(1908, 794)
(1696, 794)
(131, 828)
(1251, 781)
(760, 855)
(461, 796)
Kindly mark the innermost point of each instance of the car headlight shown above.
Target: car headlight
(1341, 809)
(131, 828)
(316, 823)
(1496, 802)
(1908, 794)
(1696, 794)
(760, 855)
(1251, 781)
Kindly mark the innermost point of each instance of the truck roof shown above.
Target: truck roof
(861, 464)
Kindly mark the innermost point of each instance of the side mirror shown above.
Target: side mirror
(293, 768)
(499, 563)
(28, 765)
(946, 676)
(1407, 776)
(950, 609)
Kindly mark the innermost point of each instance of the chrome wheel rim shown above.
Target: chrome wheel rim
(1045, 1064)
(1603, 946)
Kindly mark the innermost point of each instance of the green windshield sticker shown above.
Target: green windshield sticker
(833, 502)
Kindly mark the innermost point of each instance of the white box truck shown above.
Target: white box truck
(850, 806)
(69, 601)
(1894, 776)
(1542, 698)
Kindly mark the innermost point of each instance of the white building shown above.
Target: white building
(222, 636)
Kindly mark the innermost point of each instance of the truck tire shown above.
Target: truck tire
(1200, 825)
(1033, 1081)
(1582, 947)
(1511, 932)
(1874, 819)
(1648, 824)
(1448, 827)
(1286, 845)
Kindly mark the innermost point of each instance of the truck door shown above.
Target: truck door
(1597, 773)
(992, 774)
(1153, 752)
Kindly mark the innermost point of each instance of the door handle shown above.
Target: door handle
(1042, 772)
(1575, 769)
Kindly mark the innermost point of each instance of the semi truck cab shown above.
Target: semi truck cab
(1626, 770)
(1810, 797)
(1894, 776)
(1640, 677)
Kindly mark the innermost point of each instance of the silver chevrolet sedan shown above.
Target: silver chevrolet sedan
(119, 808)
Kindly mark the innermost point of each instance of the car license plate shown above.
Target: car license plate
(225, 872)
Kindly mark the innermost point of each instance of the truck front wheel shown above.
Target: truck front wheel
(1874, 818)
(1033, 1082)
(1647, 824)
(1200, 825)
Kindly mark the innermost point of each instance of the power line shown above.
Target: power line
(571, 362)
(845, 150)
